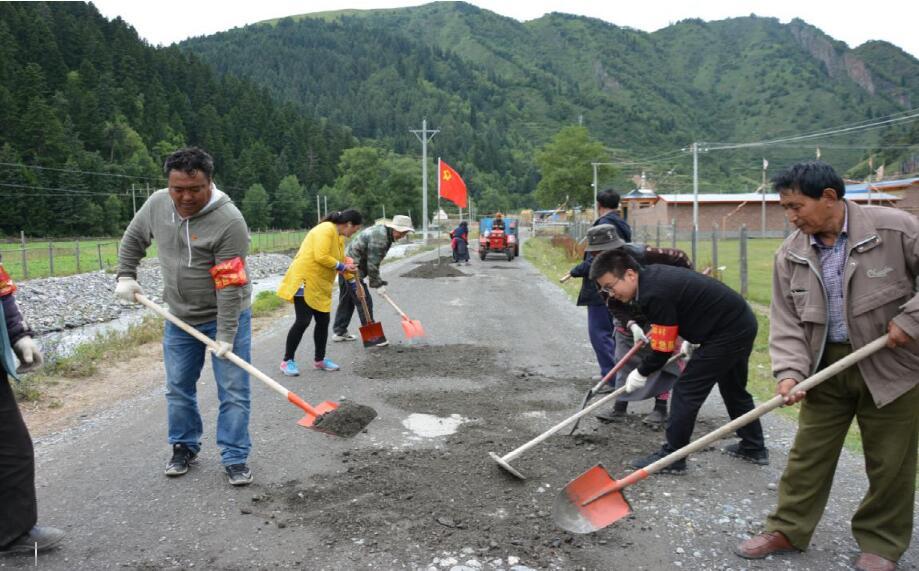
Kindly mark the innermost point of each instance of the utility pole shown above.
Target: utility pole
(384, 211)
(595, 165)
(318, 210)
(763, 188)
(695, 187)
(325, 200)
(133, 200)
(424, 135)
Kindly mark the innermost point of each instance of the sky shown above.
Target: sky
(167, 21)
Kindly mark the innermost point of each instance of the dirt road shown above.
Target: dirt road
(508, 357)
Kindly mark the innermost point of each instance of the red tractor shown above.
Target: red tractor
(498, 236)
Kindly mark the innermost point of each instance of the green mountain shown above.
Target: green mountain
(498, 88)
(88, 111)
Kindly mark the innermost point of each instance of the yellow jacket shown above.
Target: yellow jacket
(314, 267)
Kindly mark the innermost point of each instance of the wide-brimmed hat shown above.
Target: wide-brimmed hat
(603, 237)
(401, 223)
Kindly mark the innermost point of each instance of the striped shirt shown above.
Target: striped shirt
(832, 266)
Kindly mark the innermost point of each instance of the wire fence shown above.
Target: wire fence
(30, 258)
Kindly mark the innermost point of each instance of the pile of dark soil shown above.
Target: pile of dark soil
(443, 260)
(346, 420)
(402, 362)
(433, 270)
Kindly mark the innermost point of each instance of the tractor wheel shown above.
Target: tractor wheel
(510, 254)
(482, 253)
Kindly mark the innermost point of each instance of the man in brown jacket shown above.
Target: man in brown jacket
(846, 277)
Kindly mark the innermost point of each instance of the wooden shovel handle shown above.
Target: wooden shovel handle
(396, 307)
(768, 406)
(361, 294)
(564, 278)
(232, 357)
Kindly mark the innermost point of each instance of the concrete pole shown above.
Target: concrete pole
(695, 186)
(422, 136)
(596, 214)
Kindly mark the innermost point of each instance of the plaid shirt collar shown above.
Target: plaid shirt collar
(842, 233)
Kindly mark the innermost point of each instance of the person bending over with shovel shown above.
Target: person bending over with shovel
(679, 301)
(367, 249)
(630, 326)
(844, 278)
(308, 285)
(202, 241)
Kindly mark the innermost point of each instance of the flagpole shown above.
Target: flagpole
(440, 175)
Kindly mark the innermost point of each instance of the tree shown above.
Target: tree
(256, 209)
(289, 203)
(564, 164)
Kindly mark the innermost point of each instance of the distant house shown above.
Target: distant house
(643, 207)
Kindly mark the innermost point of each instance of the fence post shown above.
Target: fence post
(99, 253)
(51, 257)
(673, 233)
(77, 251)
(657, 240)
(743, 261)
(695, 244)
(715, 251)
(25, 264)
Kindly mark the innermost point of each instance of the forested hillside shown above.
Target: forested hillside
(85, 97)
(499, 88)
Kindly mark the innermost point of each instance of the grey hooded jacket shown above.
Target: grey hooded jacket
(187, 249)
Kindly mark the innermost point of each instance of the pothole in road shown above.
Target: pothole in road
(432, 270)
(405, 362)
(431, 426)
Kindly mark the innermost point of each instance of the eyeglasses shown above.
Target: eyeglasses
(608, 290)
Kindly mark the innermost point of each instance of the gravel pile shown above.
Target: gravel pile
(56, 304)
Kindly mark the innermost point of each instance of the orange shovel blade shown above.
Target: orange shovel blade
(412, 328)
(372, 334)
(310, 419)
(570, 512)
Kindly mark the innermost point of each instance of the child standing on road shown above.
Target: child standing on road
(308, 285)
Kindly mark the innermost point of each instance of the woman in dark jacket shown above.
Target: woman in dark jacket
(459, 243)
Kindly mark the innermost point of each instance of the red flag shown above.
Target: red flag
(452, 186)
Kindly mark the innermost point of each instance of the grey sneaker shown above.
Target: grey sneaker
(182, 458)
(612, 414)
(42, 538)
(239, 474)
(346, 337)
(655, 418)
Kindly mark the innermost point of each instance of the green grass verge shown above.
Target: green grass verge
(266, 303)
(553, 262)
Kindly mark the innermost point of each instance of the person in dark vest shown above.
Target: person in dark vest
(599, 321)
(459, 243)
(703, 311)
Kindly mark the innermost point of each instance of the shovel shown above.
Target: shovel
(594, 499)
(411, 327)
(343, 420)
(606, 378)
(372, 332)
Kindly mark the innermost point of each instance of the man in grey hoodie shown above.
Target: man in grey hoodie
(202, 241)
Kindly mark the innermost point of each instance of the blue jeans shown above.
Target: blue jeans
(184, 358)
(602, 336)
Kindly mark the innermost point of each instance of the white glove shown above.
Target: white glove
(686, 349)
(381, 290)
(222, 349)
(126, 289)
(29, 356)
(635, 381)
(638, 333)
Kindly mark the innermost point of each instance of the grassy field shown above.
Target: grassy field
(553, 262)
(102, 253)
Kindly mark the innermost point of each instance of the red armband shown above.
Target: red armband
(663, 338)
(230, 273)
(6, 283)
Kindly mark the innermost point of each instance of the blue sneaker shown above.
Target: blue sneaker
(289, 368)
(326, 365)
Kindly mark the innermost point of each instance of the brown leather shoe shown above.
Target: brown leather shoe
(766, 543)
(872, 562)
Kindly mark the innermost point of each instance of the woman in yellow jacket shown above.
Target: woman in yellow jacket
(308, 284)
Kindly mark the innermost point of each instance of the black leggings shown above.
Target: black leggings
(320, 333)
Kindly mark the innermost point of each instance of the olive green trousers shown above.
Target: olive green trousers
(883, 522)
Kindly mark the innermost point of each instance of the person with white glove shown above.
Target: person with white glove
(381, 290)
(29, 355)
(126, 288)
(18, 507)
(635, 381)
(686, 349)
(222, 349)
(638, 334)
